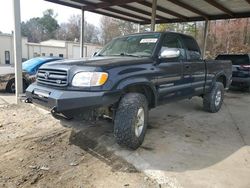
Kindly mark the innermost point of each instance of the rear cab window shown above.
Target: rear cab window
(193, 50)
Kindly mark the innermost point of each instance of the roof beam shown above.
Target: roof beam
(167, 11)
(142, 12)
(134, 9)
(212, 17)
(89, 4)
(114, 10)
(127, 14)
(188, 7)
(115, 16)
(106, 4)
(220, 7)
(64, 3)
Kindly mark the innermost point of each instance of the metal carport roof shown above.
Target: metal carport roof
(139, 11)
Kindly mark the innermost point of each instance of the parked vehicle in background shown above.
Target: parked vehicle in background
(7, 79)
(30, 67)
(129, 76)
(241, 69)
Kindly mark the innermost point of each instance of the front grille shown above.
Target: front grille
(52, 77)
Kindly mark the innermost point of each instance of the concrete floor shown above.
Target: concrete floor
(184, 146)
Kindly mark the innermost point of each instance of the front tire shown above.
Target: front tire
(212, 101)
(131, 120)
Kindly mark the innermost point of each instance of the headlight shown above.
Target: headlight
(89, 79)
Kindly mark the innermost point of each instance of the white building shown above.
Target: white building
(65, 49)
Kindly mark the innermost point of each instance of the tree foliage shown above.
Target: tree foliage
(48, 23)
(222, 35)
(111, 28)
(38, 29)
(70, 30)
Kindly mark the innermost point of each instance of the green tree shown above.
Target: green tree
(38, 29)
(48, 24)
(32, 29)
(166, 27)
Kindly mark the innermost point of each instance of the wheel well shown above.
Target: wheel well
(222, 79)
(145, 90)
(24, 82)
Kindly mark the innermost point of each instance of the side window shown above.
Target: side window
(173, 41)
(193, 50)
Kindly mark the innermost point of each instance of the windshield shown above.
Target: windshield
(136, 45)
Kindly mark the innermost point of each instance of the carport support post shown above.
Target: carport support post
(153, 16)
(205, 39)
(17, 49)
(138, 28)
(82, 35)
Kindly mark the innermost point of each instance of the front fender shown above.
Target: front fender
(138, 82)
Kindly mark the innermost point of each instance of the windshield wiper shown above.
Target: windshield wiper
(99, 55)
(131, 55)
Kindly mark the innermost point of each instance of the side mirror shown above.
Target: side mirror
(170, 53)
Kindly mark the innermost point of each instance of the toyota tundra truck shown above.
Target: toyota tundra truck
(129, 76)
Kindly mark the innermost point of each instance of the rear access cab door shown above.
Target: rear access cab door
(175, 74)
(195, 65)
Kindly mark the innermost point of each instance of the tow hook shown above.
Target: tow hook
(57, 115)
(28, 100)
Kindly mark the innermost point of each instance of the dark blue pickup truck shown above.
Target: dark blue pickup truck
(129, 76)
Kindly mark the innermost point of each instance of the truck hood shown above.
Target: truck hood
(98, 62)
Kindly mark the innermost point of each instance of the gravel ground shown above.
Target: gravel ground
(37, 151)
(184, 147)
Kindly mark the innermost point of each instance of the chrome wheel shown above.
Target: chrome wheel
(139, 124)
(218, 98)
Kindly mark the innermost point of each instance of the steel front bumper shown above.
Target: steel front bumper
(63, 100)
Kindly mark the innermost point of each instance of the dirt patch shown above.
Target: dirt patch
(37, 151)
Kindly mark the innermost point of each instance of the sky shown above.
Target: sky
(35, 8)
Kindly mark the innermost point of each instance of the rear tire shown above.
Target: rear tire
(10, 88)
(212, 101)
(131, 120)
